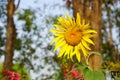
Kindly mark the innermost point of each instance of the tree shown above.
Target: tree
(11, 36)
(22, 45)
(108, 34)
(91, 11)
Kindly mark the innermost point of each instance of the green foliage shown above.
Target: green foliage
(90, 74)
(109, 65)
(116, 78)
(87, 72)
(93, 75)
(2, 40)
(22, 71)
(2, 8)
(51, 19)
(1, 68)
(2, 27)
(18, 44)
(81, 66)
(27, 16)
(107, 51)
(58, 76)
(117, 17)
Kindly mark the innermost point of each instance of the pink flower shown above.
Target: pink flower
(74, 74)
(11, 75)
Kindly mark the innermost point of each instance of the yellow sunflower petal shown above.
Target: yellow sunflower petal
(54, 40)
(83, 49)
(62, 50)
(67, 24)
(78, 19)
(72, 53)
(88, 40)
(56, 31)
(59, 34)
(63, 22)
(77, 54)
(89, 31)
(69, 19)
(86, 26)
(59, 27)
(67, 51)
(85, 44)
(59, 43)
(70, 50)
(74, 23)
(83, 22)
(89, 35)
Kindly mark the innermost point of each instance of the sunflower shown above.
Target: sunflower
(72, 36)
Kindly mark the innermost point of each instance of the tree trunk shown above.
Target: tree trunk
(91, 11)
(11, 37)
(109, 38)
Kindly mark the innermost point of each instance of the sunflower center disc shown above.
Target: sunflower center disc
(73, 37)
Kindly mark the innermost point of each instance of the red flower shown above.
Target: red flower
(74, 74)
(11, 75)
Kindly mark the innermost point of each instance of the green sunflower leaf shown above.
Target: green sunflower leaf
(93, 75)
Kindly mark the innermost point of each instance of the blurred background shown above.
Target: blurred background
(32, 20)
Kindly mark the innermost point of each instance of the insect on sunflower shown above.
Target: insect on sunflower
(72, 36)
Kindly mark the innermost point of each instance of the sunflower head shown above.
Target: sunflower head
(72, 36)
